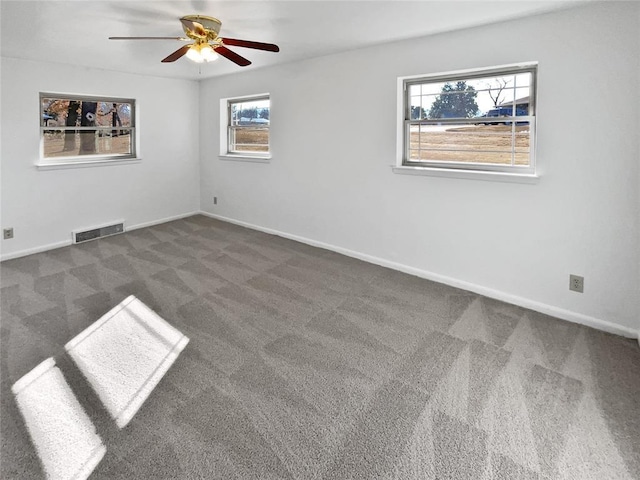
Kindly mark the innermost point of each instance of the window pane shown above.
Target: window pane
(493, 144)
(250, 112)
(69, 142)
(522, 80)
(447, 100)
(417, 112)
(414, 90)
(432, 88)
(249, 139)
(110, 114)
(521, 100)
(455, 101)
(60, 112)
(55, 111)
(470, 98)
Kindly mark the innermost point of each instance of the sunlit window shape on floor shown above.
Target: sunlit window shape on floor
(65, 439)
(124, 355)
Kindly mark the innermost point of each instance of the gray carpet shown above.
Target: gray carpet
(307, 364)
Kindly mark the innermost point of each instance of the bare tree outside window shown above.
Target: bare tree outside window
(495, 90)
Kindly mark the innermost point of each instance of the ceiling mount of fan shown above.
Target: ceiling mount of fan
(204, 32)
(201, 26)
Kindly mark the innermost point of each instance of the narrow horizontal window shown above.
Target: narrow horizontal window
(474, 120)
(85, 129)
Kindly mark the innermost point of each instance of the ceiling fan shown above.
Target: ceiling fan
(203, 31)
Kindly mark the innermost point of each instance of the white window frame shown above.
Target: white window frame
(87, 160)
(226, 153)
(485, 171)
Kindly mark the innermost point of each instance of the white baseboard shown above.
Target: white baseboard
(66, 243)
(31, 251)
(163, 220)
(568, 315)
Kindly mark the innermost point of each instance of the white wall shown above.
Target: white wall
(334, 138)
(44, 207)
(638, 185)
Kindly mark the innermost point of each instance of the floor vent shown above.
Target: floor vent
(98, 232)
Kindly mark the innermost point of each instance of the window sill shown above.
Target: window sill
(247, 158)
(468, 174)
(84, 163)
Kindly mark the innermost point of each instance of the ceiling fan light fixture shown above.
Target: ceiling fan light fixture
(194, 54)
(207, 53)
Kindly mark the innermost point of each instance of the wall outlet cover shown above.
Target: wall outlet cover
(576, 283)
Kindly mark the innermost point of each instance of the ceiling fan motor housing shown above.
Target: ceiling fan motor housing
(211, 25)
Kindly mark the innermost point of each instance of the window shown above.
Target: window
(480, 120)
(83, 129)
(247, 126)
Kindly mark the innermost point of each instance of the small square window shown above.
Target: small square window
(247, 126)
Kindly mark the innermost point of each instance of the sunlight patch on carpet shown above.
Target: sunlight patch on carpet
(65, 439)
(125, 354)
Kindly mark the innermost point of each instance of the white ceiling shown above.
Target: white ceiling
(76, 32)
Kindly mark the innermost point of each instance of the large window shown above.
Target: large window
(84, 129)
(248, 120)
(472, 120)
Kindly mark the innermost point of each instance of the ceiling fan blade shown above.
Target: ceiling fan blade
(148, 38)
(269, 47)
(195, 27)
(177, 54)
(234, 57)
